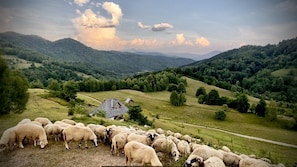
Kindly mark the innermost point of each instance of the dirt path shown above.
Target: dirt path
(245, 136)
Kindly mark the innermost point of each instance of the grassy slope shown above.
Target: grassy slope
(173, 118)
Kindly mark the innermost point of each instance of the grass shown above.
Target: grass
(156, 107)
(284, 72)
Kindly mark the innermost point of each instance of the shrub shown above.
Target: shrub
(220, 115)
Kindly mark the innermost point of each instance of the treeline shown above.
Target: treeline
(249, 70)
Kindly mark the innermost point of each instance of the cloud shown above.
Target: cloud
(180, 39)
(98, 31)
(140, 25)
(81, 2)
(89, 19)
(161, 27)
(202, 42)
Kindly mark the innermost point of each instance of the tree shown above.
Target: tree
(261, 108)
(220, 115)
(181, 88)
(200, 91)
(70, 88)
(136, 115)
(13, 90)
(242, 103)
(177, 99)
(213, 97)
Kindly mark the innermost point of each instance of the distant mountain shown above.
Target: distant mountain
(70, 50)
(192, 56)
(252, 68)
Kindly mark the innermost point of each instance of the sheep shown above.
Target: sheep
(194, 160)
(183, 147)
(31, 131)
(62, 124)
(144, 139)
(187, 138)
(160, 131)
(174, 139)
(8, 138)
(169, 133)
(177, 135)
(136, 152)
(54, 130)
(118, 143)
(252, 162)
(80, 124)
(226, 149)
(166, 146)
(44, 121)
(23, 121)
(93, 126)
(36, 123)
(100, 132)
(68, 121)
(230, 158)
(206, 152)
(194, 146)
(78, 134)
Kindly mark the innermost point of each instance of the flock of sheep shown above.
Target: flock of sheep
(139, 146)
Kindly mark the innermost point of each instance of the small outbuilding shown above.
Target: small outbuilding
(112, 108)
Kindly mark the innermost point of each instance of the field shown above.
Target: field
(157, 108)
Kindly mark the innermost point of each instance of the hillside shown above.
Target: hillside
(253, 69)
(156, 106)
(71, 51)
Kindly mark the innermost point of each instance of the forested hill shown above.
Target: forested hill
(69, 50)
(269, 70)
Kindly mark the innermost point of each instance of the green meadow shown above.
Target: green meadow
(185, 119)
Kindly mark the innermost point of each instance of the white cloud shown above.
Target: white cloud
(180, 39)
(161, 27)
(142, 26)
(81, 2)
(98, 31)
(202, 42)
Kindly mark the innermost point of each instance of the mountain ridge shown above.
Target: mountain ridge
(70, 50)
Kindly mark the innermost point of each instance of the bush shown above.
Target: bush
(220, 115)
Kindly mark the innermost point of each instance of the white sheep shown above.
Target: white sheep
(118, 143)
(8, 138)
(169, 133)
(166, 146)
(194, 160)
(252, 162)
(226, 149)
(183, 147)
(206, 152)
(35, 123)
(44, 121)
(80, 124)
(100, 132)
(31, 131)
(136, 152)
(54, 130)
(160, 131)
(62, 124)
(144, 139)
(23, 121)
(230, 158)
(187, 138)
(68, 121)
(177, 135)
(78, 134)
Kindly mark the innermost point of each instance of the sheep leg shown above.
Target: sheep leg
(20, 141)
(66, 145)
(86, 144)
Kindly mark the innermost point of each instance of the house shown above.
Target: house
(111, 108)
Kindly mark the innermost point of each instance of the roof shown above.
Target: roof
(111, 107)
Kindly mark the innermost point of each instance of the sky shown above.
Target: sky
(166, 26)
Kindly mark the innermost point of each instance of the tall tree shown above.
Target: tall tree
(242, 103)
(261, 108)
(13, 90)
